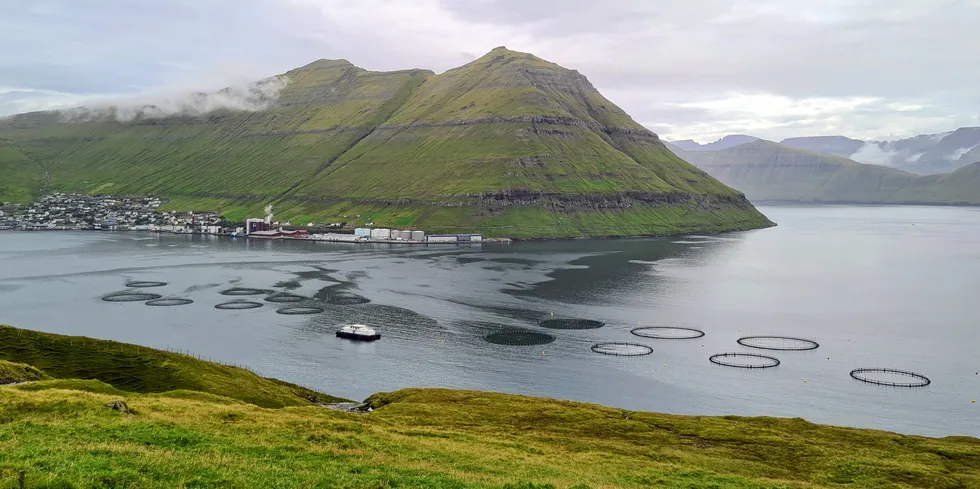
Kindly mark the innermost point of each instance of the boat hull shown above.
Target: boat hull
(358, 337)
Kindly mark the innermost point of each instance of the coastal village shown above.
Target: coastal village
(68, 211)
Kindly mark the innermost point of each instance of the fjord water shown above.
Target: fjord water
(875, 286)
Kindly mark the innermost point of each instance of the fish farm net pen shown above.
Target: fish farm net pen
(131, 297)
(285, 298)
(667, 333)
(518, 337)
(170, 301)
(238, 305)
(570, 323)
(883, 376)
(145, 284)
(778, 343)
(622, 349)
(299, 310)
(243, 291)
(744, 360)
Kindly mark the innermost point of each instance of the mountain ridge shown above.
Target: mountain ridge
(768, 171)
(508, 145)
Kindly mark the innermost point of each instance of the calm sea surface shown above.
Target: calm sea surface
(891, 287)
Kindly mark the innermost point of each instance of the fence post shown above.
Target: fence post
(20, 479)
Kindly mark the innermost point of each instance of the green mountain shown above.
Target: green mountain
(508, 145)
(768, 171)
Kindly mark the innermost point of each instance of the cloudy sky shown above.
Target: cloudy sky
(686, 69)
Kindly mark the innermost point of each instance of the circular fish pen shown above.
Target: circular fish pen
(570, 323)
(299, 310)
(285, 298)
(890, 376)
(622, 349)
(145, 284)
(238, 305)
(347, 300)
(744, 360)
(243, 291)
(778, 343)
(518, 337)
(131, 297)
(170, 301)
(667, 333)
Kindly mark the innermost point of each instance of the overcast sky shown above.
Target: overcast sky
(686, 69)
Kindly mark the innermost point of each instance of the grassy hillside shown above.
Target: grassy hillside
(137, 369)
(509, 145)
(769, 171)
(15, 373)
(437, 438)
(959, 187)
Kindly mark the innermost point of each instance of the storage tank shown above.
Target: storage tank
(406, 235)
(366, 232)
(476, 237)
(418, 236)
(381, 233)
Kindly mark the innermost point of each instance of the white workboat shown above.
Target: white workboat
(358, 332)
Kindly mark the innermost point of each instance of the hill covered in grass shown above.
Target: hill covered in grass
(65, 434)
(508, 145)
(133, 368)
(768, 171)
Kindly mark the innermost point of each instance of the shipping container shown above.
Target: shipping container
(435, 238)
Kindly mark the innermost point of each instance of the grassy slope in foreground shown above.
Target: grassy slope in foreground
(509, 145)
(64, 435)
(137, 369)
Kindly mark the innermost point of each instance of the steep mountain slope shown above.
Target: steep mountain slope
(769, 171)
(832, 145)
(726, 142)
(509, 145)
(959, 187)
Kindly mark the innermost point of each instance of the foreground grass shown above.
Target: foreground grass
(445, 439)
(64, 434)
(137, 369)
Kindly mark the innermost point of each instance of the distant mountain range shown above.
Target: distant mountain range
(768, 171)
(924, 154)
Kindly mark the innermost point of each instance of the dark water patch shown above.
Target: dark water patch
(238, 305)
(890, 377)
(318, 273)
(667, 333)
(299, 310)
(243, 291)
(622, 349)
(466, 260)
(516, 261)
(131, 297)
(744, 360)
(288, 284)
(570, 323)
(143, 284)
(9, 288)
(198, 288)
(518, 337)
(780, 343)
(346, 300)
(285, 298)
(169, 301)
